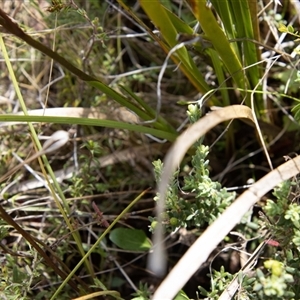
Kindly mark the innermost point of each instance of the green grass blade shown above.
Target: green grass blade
(91, 122)
(216, 36)
(243, 23)
(240, 23)
(224, 11)
(161, 123)
(219, 70)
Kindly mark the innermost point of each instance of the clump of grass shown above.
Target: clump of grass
(191, 59)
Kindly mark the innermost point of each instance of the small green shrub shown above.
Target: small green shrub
(209, 198)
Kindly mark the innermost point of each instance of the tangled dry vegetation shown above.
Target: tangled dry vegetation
(131, 101)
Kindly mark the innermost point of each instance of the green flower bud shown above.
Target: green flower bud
(153, 224)
(173, 221)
